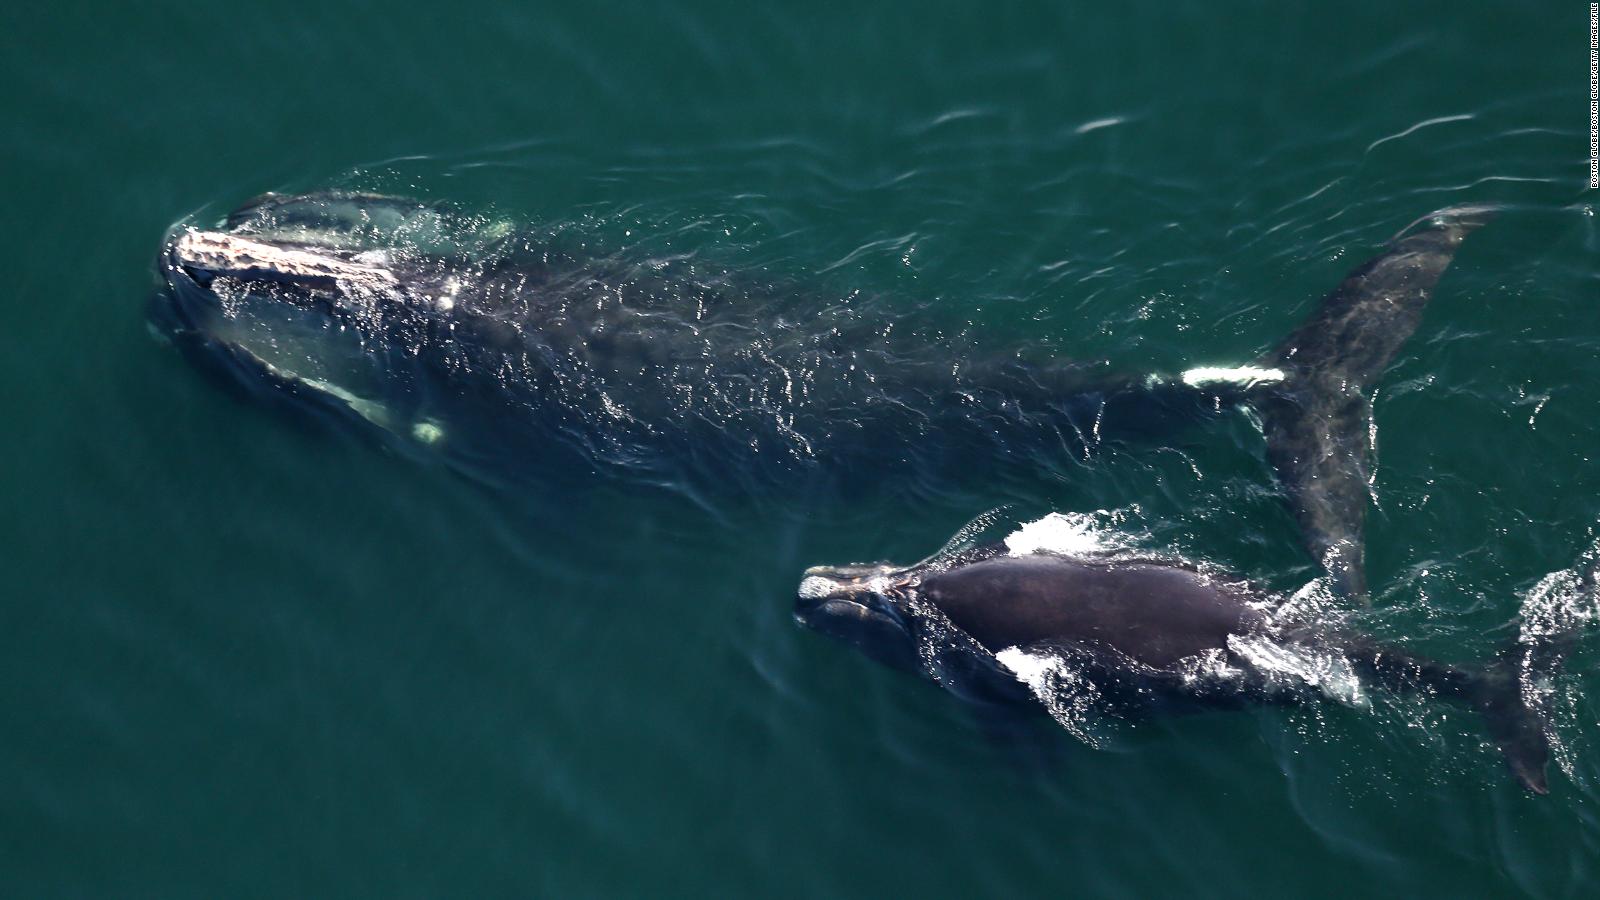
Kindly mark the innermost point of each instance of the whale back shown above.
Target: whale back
(1152, 612)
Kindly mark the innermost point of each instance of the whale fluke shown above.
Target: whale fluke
(1555, 615)
(1516, 728)
(1317, 418)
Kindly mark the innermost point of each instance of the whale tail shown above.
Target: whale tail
(1518, 727)
(1513, 693)
(1315, 409)
(1502, 692)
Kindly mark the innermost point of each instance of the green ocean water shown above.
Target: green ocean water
(244, 655)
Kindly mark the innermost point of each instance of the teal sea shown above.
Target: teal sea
(243, 654)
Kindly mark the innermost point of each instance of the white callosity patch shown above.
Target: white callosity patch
(228, 254)
(1244, 376)
(1076, 534)
(815, 587)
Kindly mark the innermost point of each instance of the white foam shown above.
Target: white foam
(1243, 375)
(1558, 605)
(1208, 667)
(1030, 669)
(1330, 673)
(1067, 693)
(1563, 605)
(446, 300)
(1313, 605)
(1076, 534)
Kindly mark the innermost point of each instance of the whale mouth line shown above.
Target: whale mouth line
(848, 602)
(818, 614)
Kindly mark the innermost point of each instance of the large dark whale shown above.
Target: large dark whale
(1127, 631)
(517, 358)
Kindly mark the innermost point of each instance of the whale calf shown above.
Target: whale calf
(1130, 631)
(519, 359)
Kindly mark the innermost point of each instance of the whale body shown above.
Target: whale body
(519, 360)
(1138, 632)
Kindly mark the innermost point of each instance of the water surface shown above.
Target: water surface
(245, 655)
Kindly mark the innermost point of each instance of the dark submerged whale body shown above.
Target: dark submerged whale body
(1136, 633)
(521, 361)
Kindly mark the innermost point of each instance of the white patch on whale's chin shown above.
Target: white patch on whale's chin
(1076, 534)
(1241, 375)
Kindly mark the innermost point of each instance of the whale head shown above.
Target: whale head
(324, 298)
(864, 606)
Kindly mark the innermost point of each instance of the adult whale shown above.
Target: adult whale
(1123, 631)
(519, 359)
